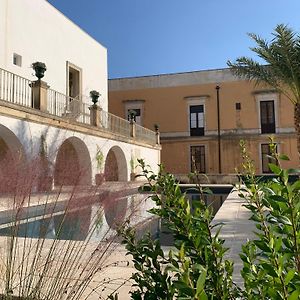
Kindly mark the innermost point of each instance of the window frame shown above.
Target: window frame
(194, 101)
(196, 131)
(204, 159)
(17, 59)
(134, 105)
(269, 113)
(262, 154)
(267, 96)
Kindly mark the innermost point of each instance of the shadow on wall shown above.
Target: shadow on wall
(73, 164)
(116, 165)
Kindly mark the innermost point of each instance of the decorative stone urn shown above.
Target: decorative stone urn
(39, 69)
(95, 96)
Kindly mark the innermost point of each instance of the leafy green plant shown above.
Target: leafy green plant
(195, 268)
(272, 260)
(99, 158)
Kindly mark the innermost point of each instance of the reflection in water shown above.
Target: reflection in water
(91, 221)
(115, 211)
(65, 226)
(98, 221)
(213, 201)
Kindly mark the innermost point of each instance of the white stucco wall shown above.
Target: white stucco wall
(29, 135)
(37, 31)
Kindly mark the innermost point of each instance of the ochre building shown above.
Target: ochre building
(202, 117)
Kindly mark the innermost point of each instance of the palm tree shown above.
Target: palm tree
(282, 68)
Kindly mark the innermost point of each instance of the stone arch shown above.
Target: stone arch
(116, 165)
(12, 158)
(73, 163)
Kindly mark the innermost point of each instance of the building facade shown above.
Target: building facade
(204, 115)
(34, 30)
(54, 116)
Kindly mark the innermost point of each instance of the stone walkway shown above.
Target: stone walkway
(237, 229)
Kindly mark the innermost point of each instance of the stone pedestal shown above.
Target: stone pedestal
(95, 115)
(157, 134)
(132, 128)
(39, 95)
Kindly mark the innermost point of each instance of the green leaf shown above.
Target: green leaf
(278, 198)
(262, 245)
(289, 276)
(296, 185)
(275, 169)
(203, 296)
(284, 157)
(294, 295)
(201, 281)
(285, 220)
(269, 269)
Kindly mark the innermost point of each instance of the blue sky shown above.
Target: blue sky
(146, 37)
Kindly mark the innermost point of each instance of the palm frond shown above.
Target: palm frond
(282, 62)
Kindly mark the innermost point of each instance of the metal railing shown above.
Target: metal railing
(18, 90)
(60, 105)
(15, 89)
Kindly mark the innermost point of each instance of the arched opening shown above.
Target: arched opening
(73, 164)
(115, 165)
(12, 157)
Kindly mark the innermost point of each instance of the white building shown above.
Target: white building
(54, 114)
(34, 30)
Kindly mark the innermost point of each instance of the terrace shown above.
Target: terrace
(36, 96)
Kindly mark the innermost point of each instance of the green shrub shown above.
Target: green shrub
(195, 268)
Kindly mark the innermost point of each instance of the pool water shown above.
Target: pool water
(96, 220)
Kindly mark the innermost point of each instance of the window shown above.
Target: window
(266, 158)
(136, 105)
(198, 159)
(74, 85)
(17, 60)
(197, 120)
(137, 116)
(238, 106)
(74, 82)
(267, 116)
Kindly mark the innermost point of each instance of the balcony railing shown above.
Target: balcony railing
(18, 90)
(145, 134)
(15, 89)
(61, 105)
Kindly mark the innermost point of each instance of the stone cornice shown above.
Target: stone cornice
(172, 80)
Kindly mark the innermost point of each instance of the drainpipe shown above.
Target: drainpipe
(219, 133)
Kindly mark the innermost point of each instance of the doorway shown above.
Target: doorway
(74, 89)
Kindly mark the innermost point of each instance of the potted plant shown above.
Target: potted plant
(99, 177)
(39, 69)
(94, 95)
(132, 115)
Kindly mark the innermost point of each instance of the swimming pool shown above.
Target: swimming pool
(97, 220)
